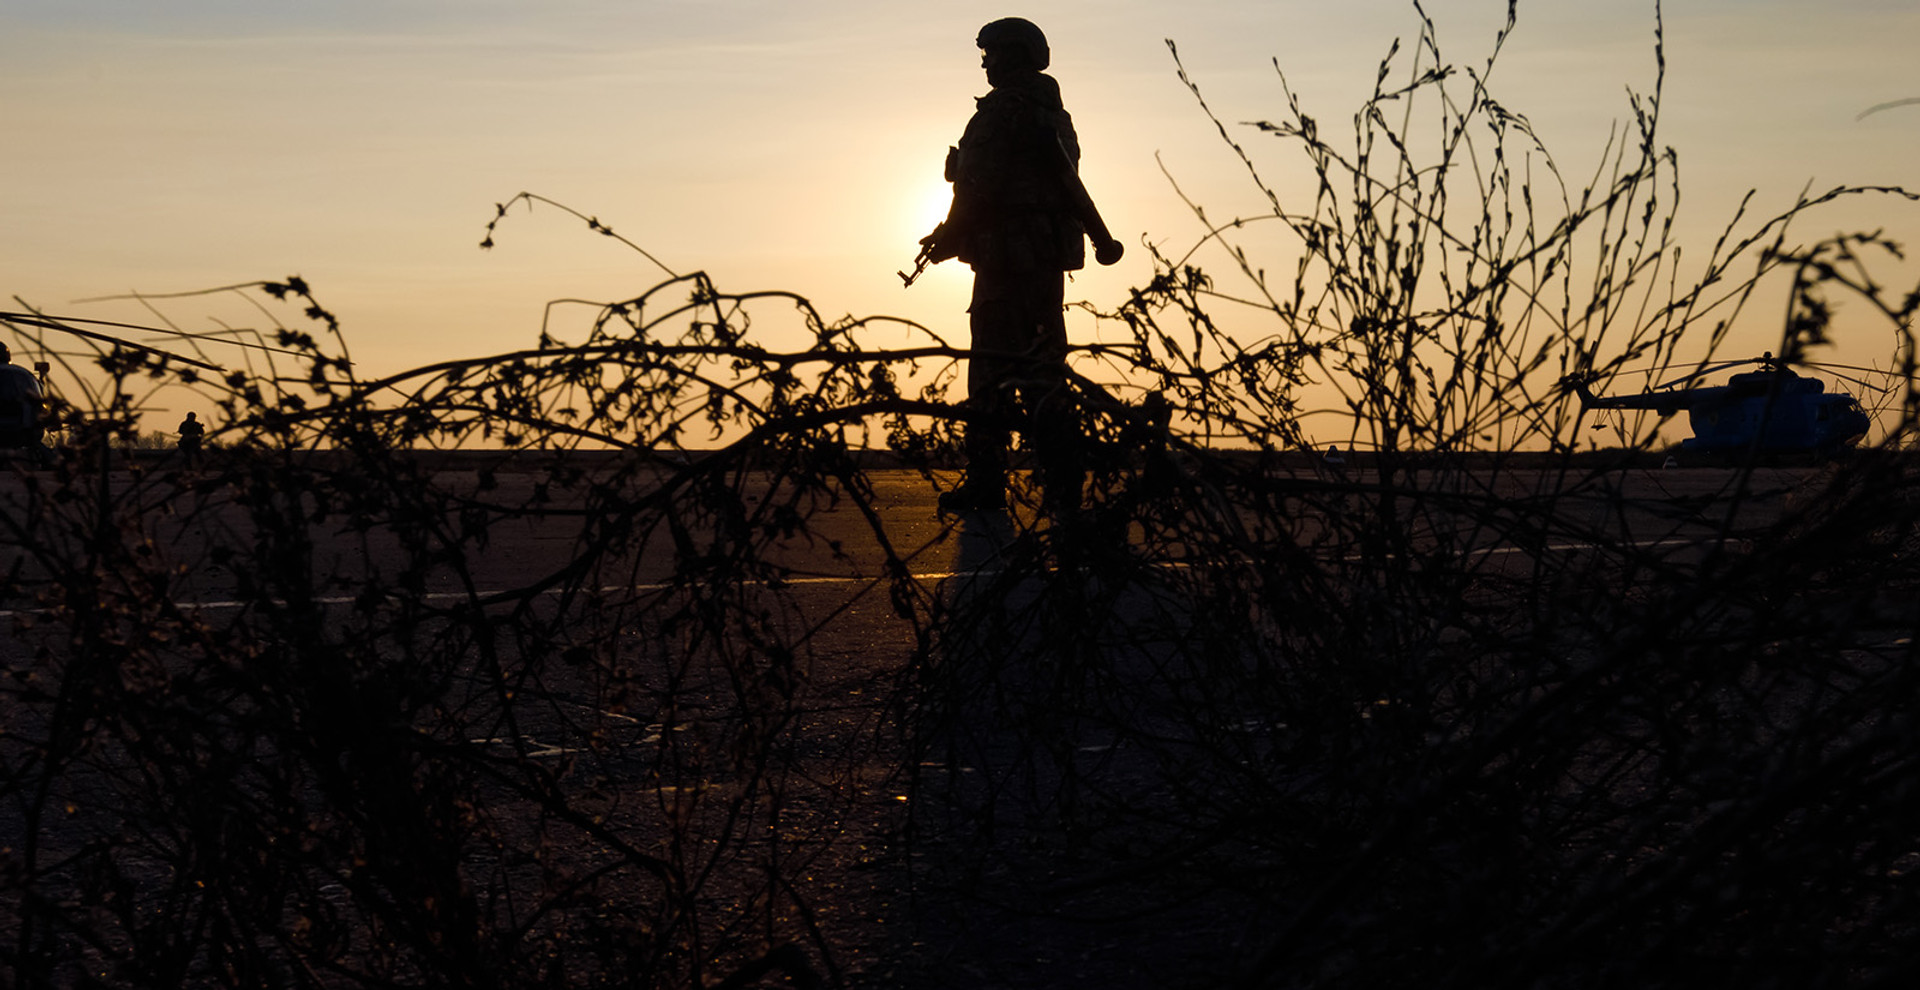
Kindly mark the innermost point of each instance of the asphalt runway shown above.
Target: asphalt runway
(842, 556)
(864, 745)
(834, 589)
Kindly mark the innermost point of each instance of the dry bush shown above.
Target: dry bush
(1455, 714)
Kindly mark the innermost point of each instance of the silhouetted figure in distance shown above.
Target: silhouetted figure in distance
(191, 432)
(1019, 217)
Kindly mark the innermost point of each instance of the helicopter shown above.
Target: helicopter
(23, 410)
(1771, 410)
(20, 407)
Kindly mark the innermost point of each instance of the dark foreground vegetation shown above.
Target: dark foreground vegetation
(1239, 722)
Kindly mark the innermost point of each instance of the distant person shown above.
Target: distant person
(1334, 463)
(1019, 218)
(20, 406)
(191, 432)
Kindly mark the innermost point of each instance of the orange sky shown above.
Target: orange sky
(777, 145)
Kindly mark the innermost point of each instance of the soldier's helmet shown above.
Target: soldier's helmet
(1016, 32)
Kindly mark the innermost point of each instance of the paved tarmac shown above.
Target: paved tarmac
(997, 751)
(845, 553)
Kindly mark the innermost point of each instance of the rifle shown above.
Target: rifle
(925, 257)
(938, 246)
(919, 265)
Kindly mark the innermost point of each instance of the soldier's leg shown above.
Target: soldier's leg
(1053, 414)
(995, 319)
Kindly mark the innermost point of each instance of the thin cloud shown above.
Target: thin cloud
(1889, 105)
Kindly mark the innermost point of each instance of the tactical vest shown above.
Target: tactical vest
(1007, 187)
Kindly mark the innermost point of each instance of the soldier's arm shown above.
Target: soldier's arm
(947, 236)
(1106, 250)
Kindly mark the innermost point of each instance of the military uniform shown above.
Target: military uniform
(1014, 221)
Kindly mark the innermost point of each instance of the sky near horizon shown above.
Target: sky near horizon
(362, 144)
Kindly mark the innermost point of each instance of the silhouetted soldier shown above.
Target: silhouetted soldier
(191, 431)
(1019, 217)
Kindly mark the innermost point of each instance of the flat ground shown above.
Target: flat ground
(842, 562)
(904, 906)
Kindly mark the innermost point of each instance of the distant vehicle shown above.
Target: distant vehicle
(1769, 411)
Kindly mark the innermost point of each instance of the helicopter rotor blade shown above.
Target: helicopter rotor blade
(1890, 373)
(62, 324)
(1882, 389)
(1708, 370)
(1846, 367)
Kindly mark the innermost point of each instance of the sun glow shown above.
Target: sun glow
(927, 203)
